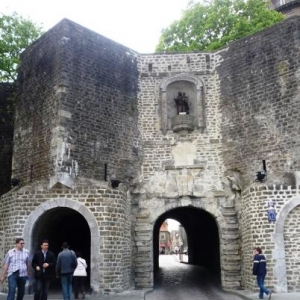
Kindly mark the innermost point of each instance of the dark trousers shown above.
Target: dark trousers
(78, 285)
(14, 282)
(41, 288)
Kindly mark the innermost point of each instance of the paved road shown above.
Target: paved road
(180, 281)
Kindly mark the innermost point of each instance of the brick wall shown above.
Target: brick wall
(292, 251)
(259, 90)
(7, 91)
(79, 91)
(109, 207)
(257, 231)
(157, 145)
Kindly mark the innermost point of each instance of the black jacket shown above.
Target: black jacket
(259, 265)
(38, 260)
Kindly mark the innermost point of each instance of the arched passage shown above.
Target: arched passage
(279, 253)
(60, 225)
(202, 235)
(66, 220)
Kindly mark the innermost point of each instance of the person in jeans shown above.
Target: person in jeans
(79, 276)
(43, 264)
(16, 265)
(65, 266)
(260, 270)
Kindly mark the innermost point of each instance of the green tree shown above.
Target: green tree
(214, 24)
(16, 34)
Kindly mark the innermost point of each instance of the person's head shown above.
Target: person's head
(78, 254)
(65, 245)
(20, 243)
(45, 245)
(257, 250)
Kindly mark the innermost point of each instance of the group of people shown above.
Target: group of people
(69, 267)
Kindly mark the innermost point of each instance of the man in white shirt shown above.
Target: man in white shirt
(16, 265)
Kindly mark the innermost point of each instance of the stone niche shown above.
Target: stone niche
(183, 122)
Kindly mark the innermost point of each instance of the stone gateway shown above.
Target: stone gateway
(102, 155)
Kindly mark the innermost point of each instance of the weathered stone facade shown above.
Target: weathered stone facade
(91, 111)
(6, 134)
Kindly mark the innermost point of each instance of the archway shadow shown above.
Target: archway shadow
(59, 225)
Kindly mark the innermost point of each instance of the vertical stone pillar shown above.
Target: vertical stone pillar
(144, 255)
(230, 249)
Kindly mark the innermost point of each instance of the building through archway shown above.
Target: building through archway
(202, 236)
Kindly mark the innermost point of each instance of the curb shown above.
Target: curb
(235, 293)
(148, 292)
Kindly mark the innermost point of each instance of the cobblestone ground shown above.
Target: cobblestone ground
(180, 281)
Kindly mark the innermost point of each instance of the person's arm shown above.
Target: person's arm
(255, 264)
(34, 263)
(52, 261)
(5, 268)
(28, 267)
(83, 261)
(57, 268)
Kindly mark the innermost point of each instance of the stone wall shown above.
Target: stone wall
(89, 105)
(257, 231)
(259, 98)
(80, 106)
(76, 126)
(260, 103)
(182, 169)
(7, 92)
(107, 212)
(292, 250)
(202, 149)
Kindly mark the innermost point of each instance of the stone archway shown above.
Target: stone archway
(91, 221)
(203, 238)
(279, 251)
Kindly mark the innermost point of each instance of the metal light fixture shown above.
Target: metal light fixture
(261, 175)
(114, 183)
(15, 181)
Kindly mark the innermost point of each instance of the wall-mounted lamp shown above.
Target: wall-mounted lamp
(114, 183)
(15, 181)
(261, 175)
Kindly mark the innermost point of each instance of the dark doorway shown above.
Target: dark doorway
(202, 237)
(60, 225)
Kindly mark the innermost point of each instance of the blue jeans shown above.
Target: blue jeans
(66, 284)
(262, 288)
(14, 281)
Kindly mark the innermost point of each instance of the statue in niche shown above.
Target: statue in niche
(182, 103)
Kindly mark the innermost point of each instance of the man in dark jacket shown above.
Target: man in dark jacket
(260, 270)
(66, 264)
(43, 263)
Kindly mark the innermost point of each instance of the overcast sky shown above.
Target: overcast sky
(134, 23)
(172, 224)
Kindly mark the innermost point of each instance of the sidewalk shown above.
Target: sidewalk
(128, 295)
(140, 295)
(247, 295)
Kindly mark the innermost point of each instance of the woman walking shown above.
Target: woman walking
(79, 276)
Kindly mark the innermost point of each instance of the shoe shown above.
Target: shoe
(270, 295)
(83, 295)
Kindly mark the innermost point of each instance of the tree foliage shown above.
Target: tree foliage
(214, 24)
(16, 34)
